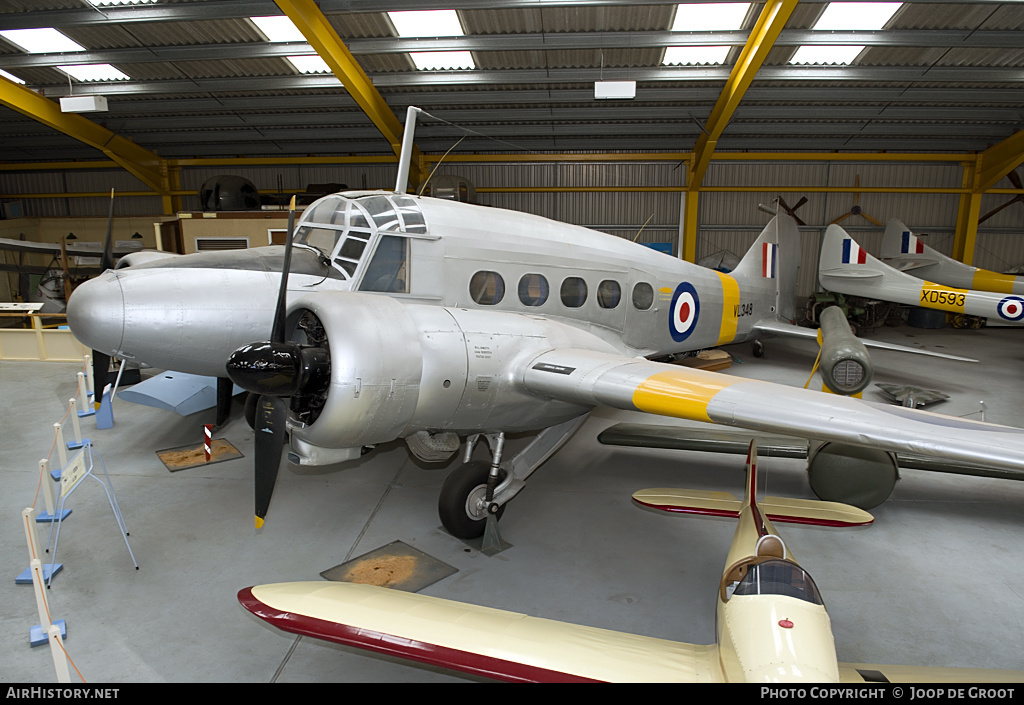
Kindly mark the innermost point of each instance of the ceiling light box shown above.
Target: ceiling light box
(84, 104)
(610, 90)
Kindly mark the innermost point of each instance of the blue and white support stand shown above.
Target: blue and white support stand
(48, 499)
(81, 467)
(46, 570)
(48, 630)
(84, 408)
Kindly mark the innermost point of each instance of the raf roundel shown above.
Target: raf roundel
(1011, 308)
(684, 312)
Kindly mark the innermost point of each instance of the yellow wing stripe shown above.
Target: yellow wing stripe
(681, 393)
(943, 298)
(730, 308)
(993, 281)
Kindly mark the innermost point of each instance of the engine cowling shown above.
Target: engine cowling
(845, 363)
(398, 369)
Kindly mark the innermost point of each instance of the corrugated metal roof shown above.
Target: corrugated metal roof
(190, 54)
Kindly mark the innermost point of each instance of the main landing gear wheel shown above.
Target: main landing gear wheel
(758, 348)
(461, 504)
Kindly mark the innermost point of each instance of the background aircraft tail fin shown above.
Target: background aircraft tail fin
(898, 241)
(774, 262)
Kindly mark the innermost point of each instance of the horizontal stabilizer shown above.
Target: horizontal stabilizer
(478, 640)
(781, 509)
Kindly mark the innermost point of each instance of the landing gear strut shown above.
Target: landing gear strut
(475, 493)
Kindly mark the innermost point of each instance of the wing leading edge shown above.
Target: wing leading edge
(634, 384)
(477, 640)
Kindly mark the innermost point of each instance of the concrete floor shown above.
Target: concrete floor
(935, 581)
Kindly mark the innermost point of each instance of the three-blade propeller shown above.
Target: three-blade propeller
(276, 369)
(100, 360)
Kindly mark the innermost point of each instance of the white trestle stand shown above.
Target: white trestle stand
(47, 570)
(48, 630)
(49, 500)
(74, 472)
(84, 407)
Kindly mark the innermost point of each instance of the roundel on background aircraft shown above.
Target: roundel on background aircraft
(684, 312)
(1011, 308)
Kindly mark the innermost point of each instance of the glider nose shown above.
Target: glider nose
(96, 313)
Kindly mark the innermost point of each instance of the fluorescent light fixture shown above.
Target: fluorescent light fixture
(695, 55)
(441, 60)
(84, 104)
(278, 28)
(309, 64)
(11, 77)
(427, 23)
(45, 40)
(614, 90)
(712, 16)
(94, 72)
(826, 54)
(856, 15)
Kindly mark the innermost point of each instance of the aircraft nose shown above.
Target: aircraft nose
(96, 313)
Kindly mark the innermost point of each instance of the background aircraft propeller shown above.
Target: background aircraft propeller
(1015, 180)
(791, 211)
(275, 370)
(855, 209)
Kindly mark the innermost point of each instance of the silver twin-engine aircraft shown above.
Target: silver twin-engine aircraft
(436, 321)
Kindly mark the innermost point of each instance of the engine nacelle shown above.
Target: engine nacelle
(376, 364)
(845, 364)
(397, 369)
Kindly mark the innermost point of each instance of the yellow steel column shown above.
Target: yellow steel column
(305, 15)
(761, 40)
(967, 214)
(140, 162)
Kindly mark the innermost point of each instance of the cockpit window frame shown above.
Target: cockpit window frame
(359, 223)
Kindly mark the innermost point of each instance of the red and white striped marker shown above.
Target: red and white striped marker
(209, 437)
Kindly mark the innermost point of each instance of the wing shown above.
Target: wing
(769, 327)
(477, 640)
(875, 673)
(634, 384)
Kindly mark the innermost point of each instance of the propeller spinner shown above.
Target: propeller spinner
(275, 370)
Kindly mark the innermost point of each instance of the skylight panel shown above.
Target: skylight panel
(278, 28)
(94, 72)
(713, 16)
(45, 40)
(856, 15)
(104, 3)
(825, 54)
(427, 23)
(309, 64)
(442, 60)
(11, 77)
(675, 56)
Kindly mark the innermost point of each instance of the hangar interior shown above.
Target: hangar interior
(917, 118)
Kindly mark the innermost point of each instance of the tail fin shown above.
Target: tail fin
(898, 241)
(774, 260)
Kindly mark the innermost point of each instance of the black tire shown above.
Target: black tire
(451, 505)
